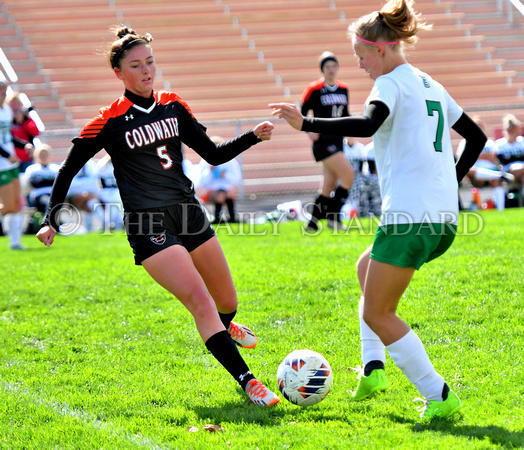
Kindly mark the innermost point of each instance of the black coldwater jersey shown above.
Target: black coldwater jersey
(143, 136)
(326, 102)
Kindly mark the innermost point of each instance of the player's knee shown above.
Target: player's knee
(227, 303)
(199, 303)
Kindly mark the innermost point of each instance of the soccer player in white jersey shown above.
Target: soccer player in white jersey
(409, 116)
(9, 171)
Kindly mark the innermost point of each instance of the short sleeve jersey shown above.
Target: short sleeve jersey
(6, 136)
(326, 102)
(145, 147)
(413, 150)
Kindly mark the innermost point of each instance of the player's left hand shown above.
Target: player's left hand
(289, 112)
(264, 130)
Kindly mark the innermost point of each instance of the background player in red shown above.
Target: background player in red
(170, 235)
(328, 98)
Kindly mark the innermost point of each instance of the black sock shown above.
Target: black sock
(338, 201)
(371, 366)
(231, 209)
(218, 210)
(445, 391)
(224, 349)
(226, 318)
(320, 208)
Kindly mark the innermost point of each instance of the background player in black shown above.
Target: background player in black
(328, 98)
(170, 235)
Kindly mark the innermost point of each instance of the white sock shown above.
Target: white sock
(409, 355)
(372, 347)
(500, 197)
(15, 223)
(487, 174)
(97, 208)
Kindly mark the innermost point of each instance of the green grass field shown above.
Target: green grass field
(93, 354)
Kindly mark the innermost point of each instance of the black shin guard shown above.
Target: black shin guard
(223, 348)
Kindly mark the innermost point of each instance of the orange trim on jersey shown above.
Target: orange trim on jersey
(312, 87)
(166, 97)
(121, 106)
(96, 124)
(316, 86)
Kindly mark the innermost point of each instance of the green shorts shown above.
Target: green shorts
(412, 244)
(6, 176)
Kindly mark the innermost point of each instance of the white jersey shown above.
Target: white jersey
(510, 152)
(41, 178)
(413, 150)
(6, 136)
(355, 154)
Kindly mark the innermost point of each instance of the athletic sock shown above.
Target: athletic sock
(15, 223)
(218, 210)
(373, 365)
(410, 356)
(231, 209)
(98, 209)
(372, 347)
(226, 318)
(338, 201)
(320, 208)
(223, 348)
(500, 197)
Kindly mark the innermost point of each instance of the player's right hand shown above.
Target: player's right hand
(46, 235)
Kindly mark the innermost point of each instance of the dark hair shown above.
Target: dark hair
(126, 40)
(397, 20)
(325, 57)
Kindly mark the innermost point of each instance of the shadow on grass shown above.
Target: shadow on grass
(247, 412)
(494, 434)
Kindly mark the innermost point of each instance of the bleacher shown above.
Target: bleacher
(230, 58)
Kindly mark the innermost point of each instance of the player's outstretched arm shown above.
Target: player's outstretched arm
(289, 112)
(46, 235)
(264, 130)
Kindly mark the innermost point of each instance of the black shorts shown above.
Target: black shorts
(152, 231)
(322, 152)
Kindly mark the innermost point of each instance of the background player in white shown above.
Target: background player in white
(41, 175)
(409, 115)
(9, 170)
(143, 131)
(510, 149)
(109, 195)
(486, 170)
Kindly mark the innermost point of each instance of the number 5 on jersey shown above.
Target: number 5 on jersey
(165, 159)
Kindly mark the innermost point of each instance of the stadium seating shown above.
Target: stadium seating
(230, 58)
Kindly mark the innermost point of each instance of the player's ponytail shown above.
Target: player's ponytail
(127, 38)
(396, 22)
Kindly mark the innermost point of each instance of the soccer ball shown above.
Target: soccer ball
(304, 377)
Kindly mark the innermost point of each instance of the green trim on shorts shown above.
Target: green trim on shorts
(6, 176)
(412, 244)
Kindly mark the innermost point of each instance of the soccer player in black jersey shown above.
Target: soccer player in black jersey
(328, 98)
(170, 235)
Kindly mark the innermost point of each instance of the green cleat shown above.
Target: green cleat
(370, 385)
(432, 409)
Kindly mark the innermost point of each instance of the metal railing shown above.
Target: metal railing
(510, 6)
